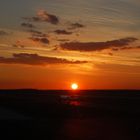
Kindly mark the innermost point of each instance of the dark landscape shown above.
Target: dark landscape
(70, 115)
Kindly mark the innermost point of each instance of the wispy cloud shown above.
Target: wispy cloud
(35, 59)
(97, 46)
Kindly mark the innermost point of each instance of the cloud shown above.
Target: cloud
(3, 33)
(36, 33)
(62, 32)
(129, 48)
(35, 59)
(76, 26)
(43, 16)
(97, 46)
(38, 36)
(43, 40)
(27, 25)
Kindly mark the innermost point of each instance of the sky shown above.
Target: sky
(49, 44)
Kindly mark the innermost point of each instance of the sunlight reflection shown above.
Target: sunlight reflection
(75, 103)
(71, 100)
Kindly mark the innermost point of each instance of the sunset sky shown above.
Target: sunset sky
(49, 44)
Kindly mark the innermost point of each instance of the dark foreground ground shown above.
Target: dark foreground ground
(67, 115)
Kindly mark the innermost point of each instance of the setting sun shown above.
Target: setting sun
(74, 86)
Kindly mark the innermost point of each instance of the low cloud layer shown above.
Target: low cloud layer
(43, 16)
(97, 46)
(35, 59)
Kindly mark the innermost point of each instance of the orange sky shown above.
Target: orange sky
(51, 44)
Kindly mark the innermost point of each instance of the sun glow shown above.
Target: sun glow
(74, 86)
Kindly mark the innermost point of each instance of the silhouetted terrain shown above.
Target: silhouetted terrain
(70, 115)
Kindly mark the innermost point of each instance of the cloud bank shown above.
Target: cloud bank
(97, 46)
(35, 59)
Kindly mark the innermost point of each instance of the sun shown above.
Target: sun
(74, 86)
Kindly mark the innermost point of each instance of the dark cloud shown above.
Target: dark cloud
(27, 25)
(62, 32)
(97, 46)
(36, 33)
(43, 16)
(43, 40)
(38, 36)
(3, 33)
(35, 59)
(76, 26)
